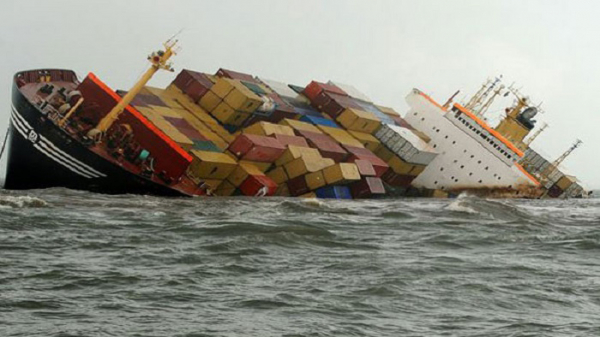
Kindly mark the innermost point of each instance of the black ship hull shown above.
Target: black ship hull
(42, 155)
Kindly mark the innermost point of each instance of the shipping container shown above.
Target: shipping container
(268, 129)
(258, 186)
(278, 175)
(241, 172)
(319, 121)
(341, 136)
(226, 73)
(243, 99)
(397, 180)
(365, 168)
(314, 88)
(297, 186)
(315, 180)
(358, 120)
(294, 152)
(303, 165)
(367, 187)
(300, 126)
(334, 192)
(366, 139)
(211, 165)
(406, 144)
(256, 148)
(341, 173)
(209, 101)
(286, 140)
(225, 189)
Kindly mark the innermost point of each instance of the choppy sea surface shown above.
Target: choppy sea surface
(79, 264)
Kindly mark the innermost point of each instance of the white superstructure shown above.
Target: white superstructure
(470, 153)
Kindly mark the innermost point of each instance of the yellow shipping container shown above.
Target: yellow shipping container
(400, 166)
(210, 101)
(167, 112)
(565, 182)
(278, 175)
(168, 129)
(341, 173)
(241, 172)
(282, 191)
(306, 164)
(315, 180)
(225, 189)
(341, 136)
(211, 165)
(359, 120)
(294, 152)
(309, 195)
(210, 184)
(300, 126)
(222, 87)
(227, 115)
(384, 153)
(417, 169)
(268, 129)
(367, 140)
(387, 111)
(263, 167)
(243, 99)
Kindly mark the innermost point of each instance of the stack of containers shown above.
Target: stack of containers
(193, 84)
(216, 136)
(254, 150)
(405, 152)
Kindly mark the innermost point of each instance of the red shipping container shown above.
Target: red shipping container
(236, 75)
(338, 104)
(291, 140)
(398, 180)
(401, 122)
(185, 128)
(256, 148)
(378, 164)
(258, 186)
(365, 168)
(314, 88)
(193, 84)
(359, 151)
(367, 187)
(328, 147)
(298, 186)
(320, 100)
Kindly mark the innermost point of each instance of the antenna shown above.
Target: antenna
(564, 156)
(535, 135)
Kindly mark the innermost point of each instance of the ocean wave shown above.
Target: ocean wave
(493, 209)
(24, 201)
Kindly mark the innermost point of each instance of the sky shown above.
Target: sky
(548, 49)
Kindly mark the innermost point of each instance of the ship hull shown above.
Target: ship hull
(41, 155)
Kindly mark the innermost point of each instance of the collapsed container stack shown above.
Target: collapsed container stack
(556, 183)
(256, 137)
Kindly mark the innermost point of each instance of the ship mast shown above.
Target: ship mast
(476, 99)
(158, 60)
(564, 156)
(535, 135)
(487, 104)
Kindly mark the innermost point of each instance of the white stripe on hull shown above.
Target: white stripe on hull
(52, 151)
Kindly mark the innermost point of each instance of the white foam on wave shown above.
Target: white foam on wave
(25, 201)
(461, 204)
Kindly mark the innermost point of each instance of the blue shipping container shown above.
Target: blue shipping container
(334, 192)
(319, 121)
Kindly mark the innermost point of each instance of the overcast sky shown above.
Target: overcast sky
(550, 49)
